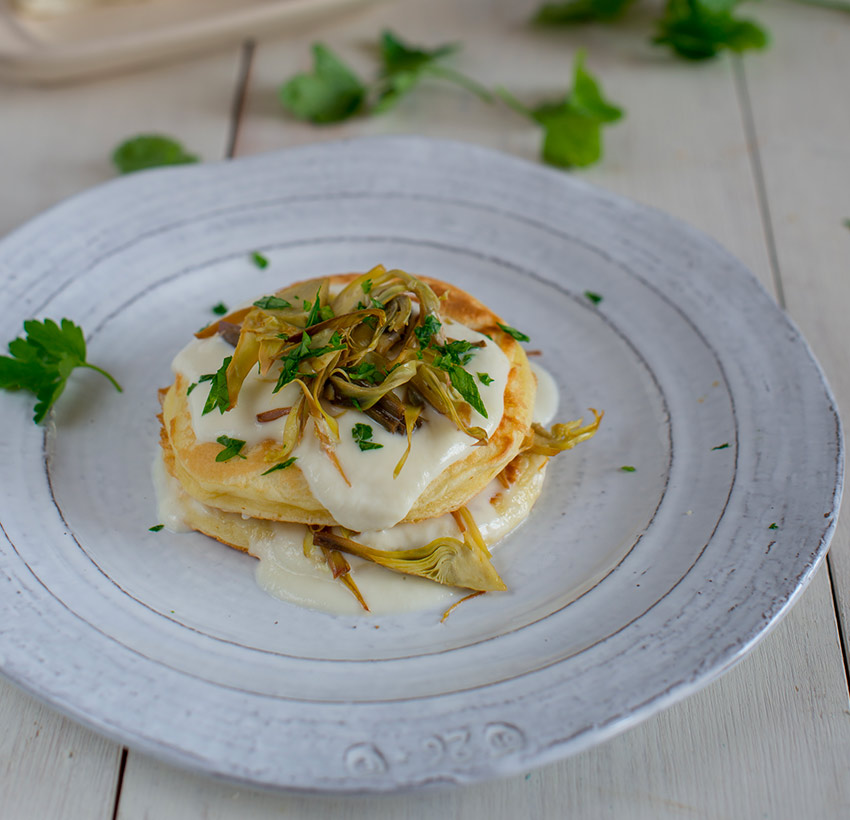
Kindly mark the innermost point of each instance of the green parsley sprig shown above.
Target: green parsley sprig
(333, 92)
(362, 433)
(231, 448)
(693, 29)
(42, 362)
(572, 125)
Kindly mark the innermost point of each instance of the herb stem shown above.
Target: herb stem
(103, 373)
(462, 80)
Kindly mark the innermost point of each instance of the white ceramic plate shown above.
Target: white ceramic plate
(628, 590)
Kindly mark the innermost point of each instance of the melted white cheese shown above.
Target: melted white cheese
(285, 572)
(546, 398)
(372, 499)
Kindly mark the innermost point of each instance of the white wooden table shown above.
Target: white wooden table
(754, 152)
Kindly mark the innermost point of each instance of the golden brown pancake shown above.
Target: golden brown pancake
(236, 486)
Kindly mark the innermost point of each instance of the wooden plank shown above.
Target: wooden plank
(743, 747)
(768, 739)
(802, 119)
(56, 142)
(51, 767)
(680, 147)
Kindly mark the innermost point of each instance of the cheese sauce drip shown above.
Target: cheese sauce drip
(285, 572)
(374, 500)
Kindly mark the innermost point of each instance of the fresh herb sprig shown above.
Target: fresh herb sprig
(572, 125)
(42, 362)
(693, 29)
(580, 11)
(333, 92)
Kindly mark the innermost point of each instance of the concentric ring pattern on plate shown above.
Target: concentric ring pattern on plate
(627, 589)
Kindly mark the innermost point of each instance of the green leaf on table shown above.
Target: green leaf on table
(580, 11)
(259, 260)
(220, 309)
(404, 65)
(150, 151)
(42, 362)
(701, 29)
(572, 126)
(593, 297)
(331, 93)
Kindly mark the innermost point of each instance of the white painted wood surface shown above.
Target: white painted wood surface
(771, 738)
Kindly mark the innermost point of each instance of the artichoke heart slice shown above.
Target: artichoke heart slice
(446, 560)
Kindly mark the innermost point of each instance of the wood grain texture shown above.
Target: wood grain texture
(769, 739)
(49, 766)
(805, 156)
(58, 141)
(772, 737)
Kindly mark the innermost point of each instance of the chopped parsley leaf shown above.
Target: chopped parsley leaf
(366, 286)
(282, 466)
(512, 331)
(485, 378)
(426, 331)
(272, 303)
(773, 526)
(326, 313)
(465, 385)
(367, 372)
(361, 433)
(721, 446)
(627, 468)
(232, 447)
(220, 309)
(219, 397)
(592, 297)
(156, 528)
(259, 260)
(191, 387)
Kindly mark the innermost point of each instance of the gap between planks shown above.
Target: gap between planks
(237, 110)
(748, 120)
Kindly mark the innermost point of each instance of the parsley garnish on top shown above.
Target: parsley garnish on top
(218, 397)
(485, 378)
(231, 447)
(220, 309)
(512, 331)
(282, 466)
(42, 362)
(150, 151)
(361, 433)
(272, 303)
